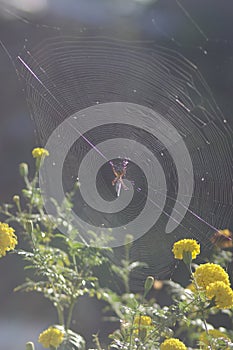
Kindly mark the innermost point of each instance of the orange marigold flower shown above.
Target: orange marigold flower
(222, 239)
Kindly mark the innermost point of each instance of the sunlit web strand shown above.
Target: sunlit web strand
(189, 210)
(187, 14)
(42, 84)
(102, 155)
(151, 63)
(186, 76)
(53, 95)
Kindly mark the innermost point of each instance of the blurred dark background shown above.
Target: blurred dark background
(201, 31)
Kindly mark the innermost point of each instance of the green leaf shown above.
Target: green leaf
(136, 264)
(73, 341)
(59, 235)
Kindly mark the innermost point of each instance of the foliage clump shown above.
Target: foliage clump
(65, 268)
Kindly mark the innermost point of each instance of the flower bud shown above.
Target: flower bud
(30, 346)
(128, 239)
(26, 193)
(23, 169)
(148, 284)
(76, 185)
(16, 199)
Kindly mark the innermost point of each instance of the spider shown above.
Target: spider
(119, 173)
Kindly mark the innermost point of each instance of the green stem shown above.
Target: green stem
(97, 342)
(71, 308)
(131, 334)
(202, 312)
(75, 263)
(27, 183)
(69, 317)
(60, 316)
(32, 185)
(126, 263)
(126, 283)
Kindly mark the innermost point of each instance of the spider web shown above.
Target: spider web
(69, 73)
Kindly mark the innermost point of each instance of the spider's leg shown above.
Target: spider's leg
(118, 187)
(114, 170)
(123, 185)
(114, 181)
(124, 171)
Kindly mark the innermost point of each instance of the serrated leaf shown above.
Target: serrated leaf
(73, 341)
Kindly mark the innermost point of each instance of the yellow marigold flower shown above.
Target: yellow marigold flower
(143, 321)
(186, 245)
(214, 334)
(191, 287)
(209, 273)
(172, 344)
(51, 337)
(142, 324)
(39, 152)
(222, 294)
(8, 239)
